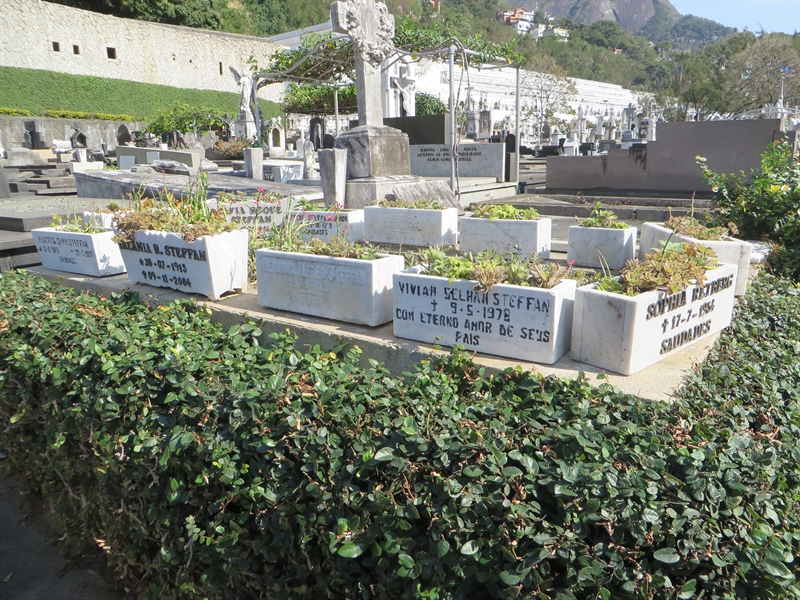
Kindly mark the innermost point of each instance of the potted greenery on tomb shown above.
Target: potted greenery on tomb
(510, 305)
(81, 245)
(675, 297)
(601, 241)
(505, 228)
(335, 279)
(423, 222)
(183, 244)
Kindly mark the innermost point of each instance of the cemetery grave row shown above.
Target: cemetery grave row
(613, 331)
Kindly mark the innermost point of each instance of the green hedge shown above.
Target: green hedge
(38, 91)
(208, 466)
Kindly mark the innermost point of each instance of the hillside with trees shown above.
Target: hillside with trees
(693, 66)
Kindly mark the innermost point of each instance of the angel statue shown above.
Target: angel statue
(246, 83)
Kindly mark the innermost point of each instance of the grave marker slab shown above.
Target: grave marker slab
(507, 320)
(474, 160)
(346, 289)
(626, 334)
(410, 226)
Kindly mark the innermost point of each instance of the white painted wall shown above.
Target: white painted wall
(498, 87)
(145, 52)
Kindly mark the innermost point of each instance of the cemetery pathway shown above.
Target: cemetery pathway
(30, 566)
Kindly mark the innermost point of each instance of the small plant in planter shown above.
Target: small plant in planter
(423, 222)
(689, 229)
(81, 245)
(335, 279)
(504, 227)
(183, 244)
(675, 297)
(508, 305)
(601, 240)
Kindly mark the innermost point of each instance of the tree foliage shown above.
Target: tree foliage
(753, 78)
(425, 104)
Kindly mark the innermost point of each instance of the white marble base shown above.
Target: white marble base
(85, 167)
(730, 250)
(93, 254)
(585, 245)
(345, 289)
(210, 265)
(411, 226)
(327, 224)
(625, 334)
(505, 235)
(525, 323)
(250, 213)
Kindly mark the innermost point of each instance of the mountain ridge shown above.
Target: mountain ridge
(632, 15)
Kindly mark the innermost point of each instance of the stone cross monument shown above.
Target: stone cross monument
(378, 157)
(371, 28)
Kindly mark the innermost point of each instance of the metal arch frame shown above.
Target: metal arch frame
(451, 47)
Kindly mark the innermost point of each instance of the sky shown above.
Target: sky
(771, 15)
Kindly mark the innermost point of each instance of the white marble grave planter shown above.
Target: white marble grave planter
(411, 226)
(345, 289)
(586, 244)
(210, 265)
(327, 224)
(505, 235)
(252, 214)
(729, 250)
(524, 323)
(626, 334)
(94, 254)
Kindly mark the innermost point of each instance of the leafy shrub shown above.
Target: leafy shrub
(419, 203)
(602, 218)
(767, 206)
(504, 211)
(306, 98)
(488, 268)
(206, 465)
(233, 150)
(186, 118)
(14, 112)
(672, 268)
(74, 114)
(190, 217)
(425, 104)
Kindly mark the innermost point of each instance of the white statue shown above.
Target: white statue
(246, 83)
(308, 160)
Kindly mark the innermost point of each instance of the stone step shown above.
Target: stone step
(21, 186)
(61, 191)
(61, 182)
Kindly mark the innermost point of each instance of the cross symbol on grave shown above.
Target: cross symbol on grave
(371, 27)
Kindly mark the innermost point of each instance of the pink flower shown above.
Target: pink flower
(260, 190)
(330, 218)
(570, 263)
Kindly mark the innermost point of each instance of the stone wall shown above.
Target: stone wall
(12, 131)
(42, 35)
(668, 165)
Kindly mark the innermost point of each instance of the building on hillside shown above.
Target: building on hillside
(561, 32)
(53, 37)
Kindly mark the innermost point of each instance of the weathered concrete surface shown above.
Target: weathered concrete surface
(654, 383)
(30, 566)
(114, 185)
(668, 164)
